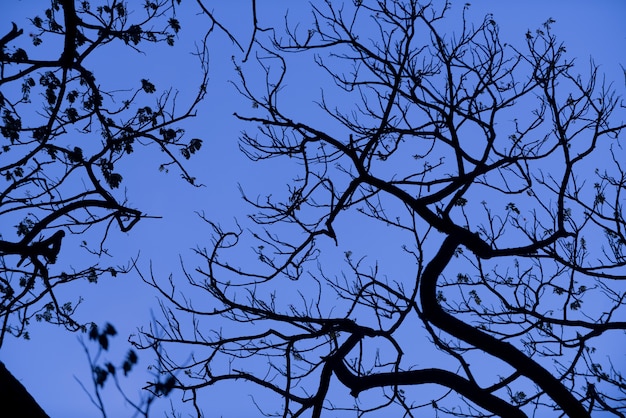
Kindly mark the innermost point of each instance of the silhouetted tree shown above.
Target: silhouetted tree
(496, 173)
(64, 137)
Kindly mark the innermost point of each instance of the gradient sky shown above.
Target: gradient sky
(50, 362)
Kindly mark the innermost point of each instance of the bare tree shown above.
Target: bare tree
(64, 137)
(485, 185)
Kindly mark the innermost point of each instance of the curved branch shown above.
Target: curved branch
(434, 313)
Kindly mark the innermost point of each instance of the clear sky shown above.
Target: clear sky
(49, 363)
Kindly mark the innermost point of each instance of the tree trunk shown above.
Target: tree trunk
(15, 397)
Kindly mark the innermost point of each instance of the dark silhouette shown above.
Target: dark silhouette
(473, 192)
(13, 33)
(15, 399)
(64, 135)
(45, 156)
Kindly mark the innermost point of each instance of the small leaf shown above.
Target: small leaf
(109, 330)
(194, 145)
(100, 376)
(132, 357)
(114, 180)
(511, 206)
(110, 368)
(126, 367)
(461, 201)
(93, 332)
(103, 341)
(147, 86)
(174, 24)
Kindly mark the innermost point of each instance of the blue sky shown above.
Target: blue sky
(49, 363)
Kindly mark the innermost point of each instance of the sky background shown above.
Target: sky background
(49, 364)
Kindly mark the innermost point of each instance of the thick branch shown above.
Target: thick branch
(71, 31)
(433, 312)
(468, 389)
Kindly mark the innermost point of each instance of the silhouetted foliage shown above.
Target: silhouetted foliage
(472, 192)
(64, 138)
(103, 370)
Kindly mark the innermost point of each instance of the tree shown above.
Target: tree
(474, 192)
(62, 157)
